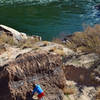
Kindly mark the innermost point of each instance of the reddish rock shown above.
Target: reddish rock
(16, 77)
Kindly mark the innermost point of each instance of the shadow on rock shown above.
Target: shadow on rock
(29, 96)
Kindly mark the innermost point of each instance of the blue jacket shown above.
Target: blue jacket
(37, 89)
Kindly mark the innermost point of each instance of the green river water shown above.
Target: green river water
(49, 19)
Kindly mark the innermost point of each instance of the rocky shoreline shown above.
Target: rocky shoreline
(63, 73)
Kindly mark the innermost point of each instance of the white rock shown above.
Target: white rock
(23, 35)
(15, 33)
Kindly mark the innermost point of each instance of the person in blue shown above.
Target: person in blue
(38, 89)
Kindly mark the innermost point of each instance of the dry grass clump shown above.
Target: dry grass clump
(57, 40)
(68, 90)
(57, 51)
(27, 43)
(87, 41)
(6, 39)
(60, 52)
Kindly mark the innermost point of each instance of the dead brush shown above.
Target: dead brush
(89, 40)
(86, 41)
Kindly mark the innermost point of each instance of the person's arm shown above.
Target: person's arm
(34, 90)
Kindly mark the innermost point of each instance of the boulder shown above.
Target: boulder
(12, 32)
(82, 72)
(17, 76)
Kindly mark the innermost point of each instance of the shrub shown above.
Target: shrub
(69, 90)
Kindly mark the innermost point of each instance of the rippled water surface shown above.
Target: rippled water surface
(48, 18)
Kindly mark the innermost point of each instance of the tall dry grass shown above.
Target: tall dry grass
(86, 41)
(6, 39)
